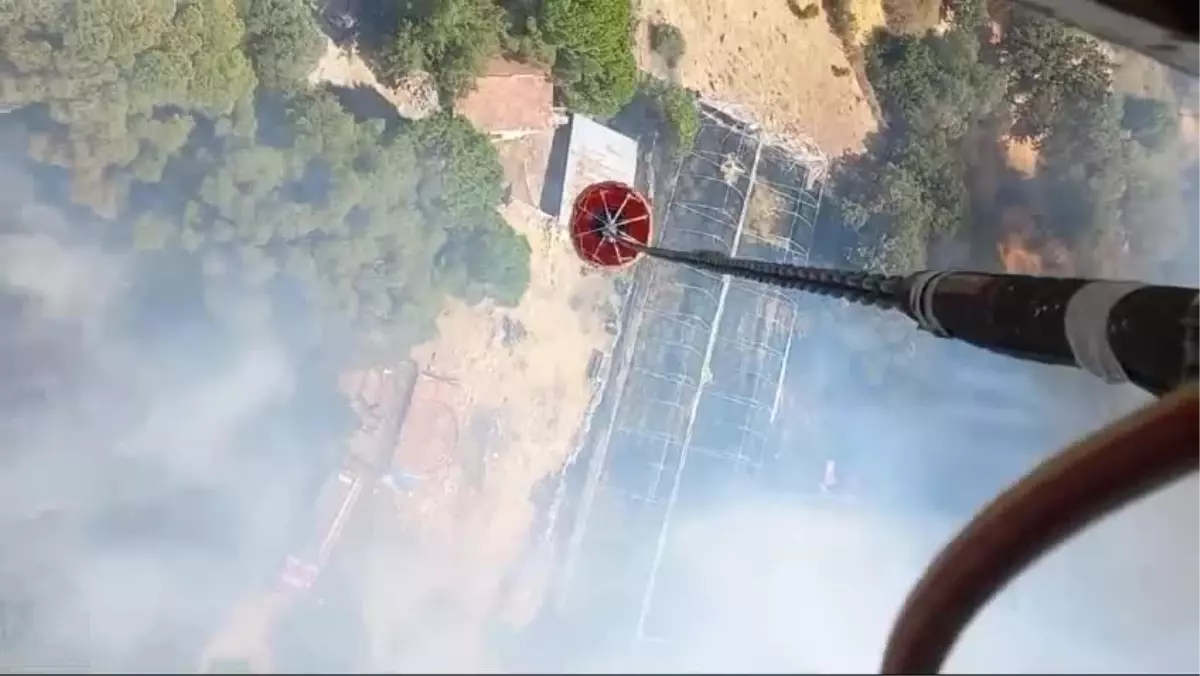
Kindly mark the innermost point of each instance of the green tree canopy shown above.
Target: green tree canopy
(595, 67)
(1051, 68)
(152, 109)
(934, 90)
(678, 110)
(450, 39)
(283, 41)
(970, 15)
(371, 220)
(1151, 122)
(113, 76)
(463, 179)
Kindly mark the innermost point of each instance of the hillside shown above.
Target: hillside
(1019, 145)
(203, 233)
(509, 388)
(757, 54)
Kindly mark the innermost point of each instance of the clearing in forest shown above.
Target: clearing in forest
(414, 99)
(513, 384)
(1021, 155)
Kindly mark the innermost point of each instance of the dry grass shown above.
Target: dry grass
(762, 212)
(245, 632)
(869, 16)
(912, 17)
(755, 53)
(1021, 156)
(471, 535)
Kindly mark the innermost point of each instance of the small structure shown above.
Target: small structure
(594, 154)
(511, 100)
(513, 103)
(428, 435)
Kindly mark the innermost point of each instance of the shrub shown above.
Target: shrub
(678, 110)
(667, 41)
(594, 65)
(912, 17)
(1149, 121)
(841, 19)
(803, 12)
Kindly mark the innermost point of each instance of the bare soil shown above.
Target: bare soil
(1021, 156)
(531, 385)
(244, 635)
(756, 53)
(414, 99)
(524, 161)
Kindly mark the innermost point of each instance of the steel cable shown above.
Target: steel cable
(870, 289)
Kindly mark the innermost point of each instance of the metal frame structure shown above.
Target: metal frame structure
(694, 382)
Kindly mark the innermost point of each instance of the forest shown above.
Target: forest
(184, 130)
(587, 43)
(196, 242)
(1108, 163)
(179, 143)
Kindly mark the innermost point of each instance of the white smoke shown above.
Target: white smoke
(812, 583)
(805, 588)
(104, 442)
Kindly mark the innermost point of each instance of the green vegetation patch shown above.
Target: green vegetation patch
(183, 125)
(587, 43)
(841, 18)
(282, 40)
(678, 110)
(450, 39)
(948, 100)
(594, 67)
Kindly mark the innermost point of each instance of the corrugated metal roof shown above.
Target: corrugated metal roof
(595, 153)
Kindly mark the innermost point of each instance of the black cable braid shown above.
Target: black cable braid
(858, 287)
(1191, 354)
(883, 291)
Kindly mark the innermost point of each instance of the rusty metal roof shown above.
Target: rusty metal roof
(508, 97)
